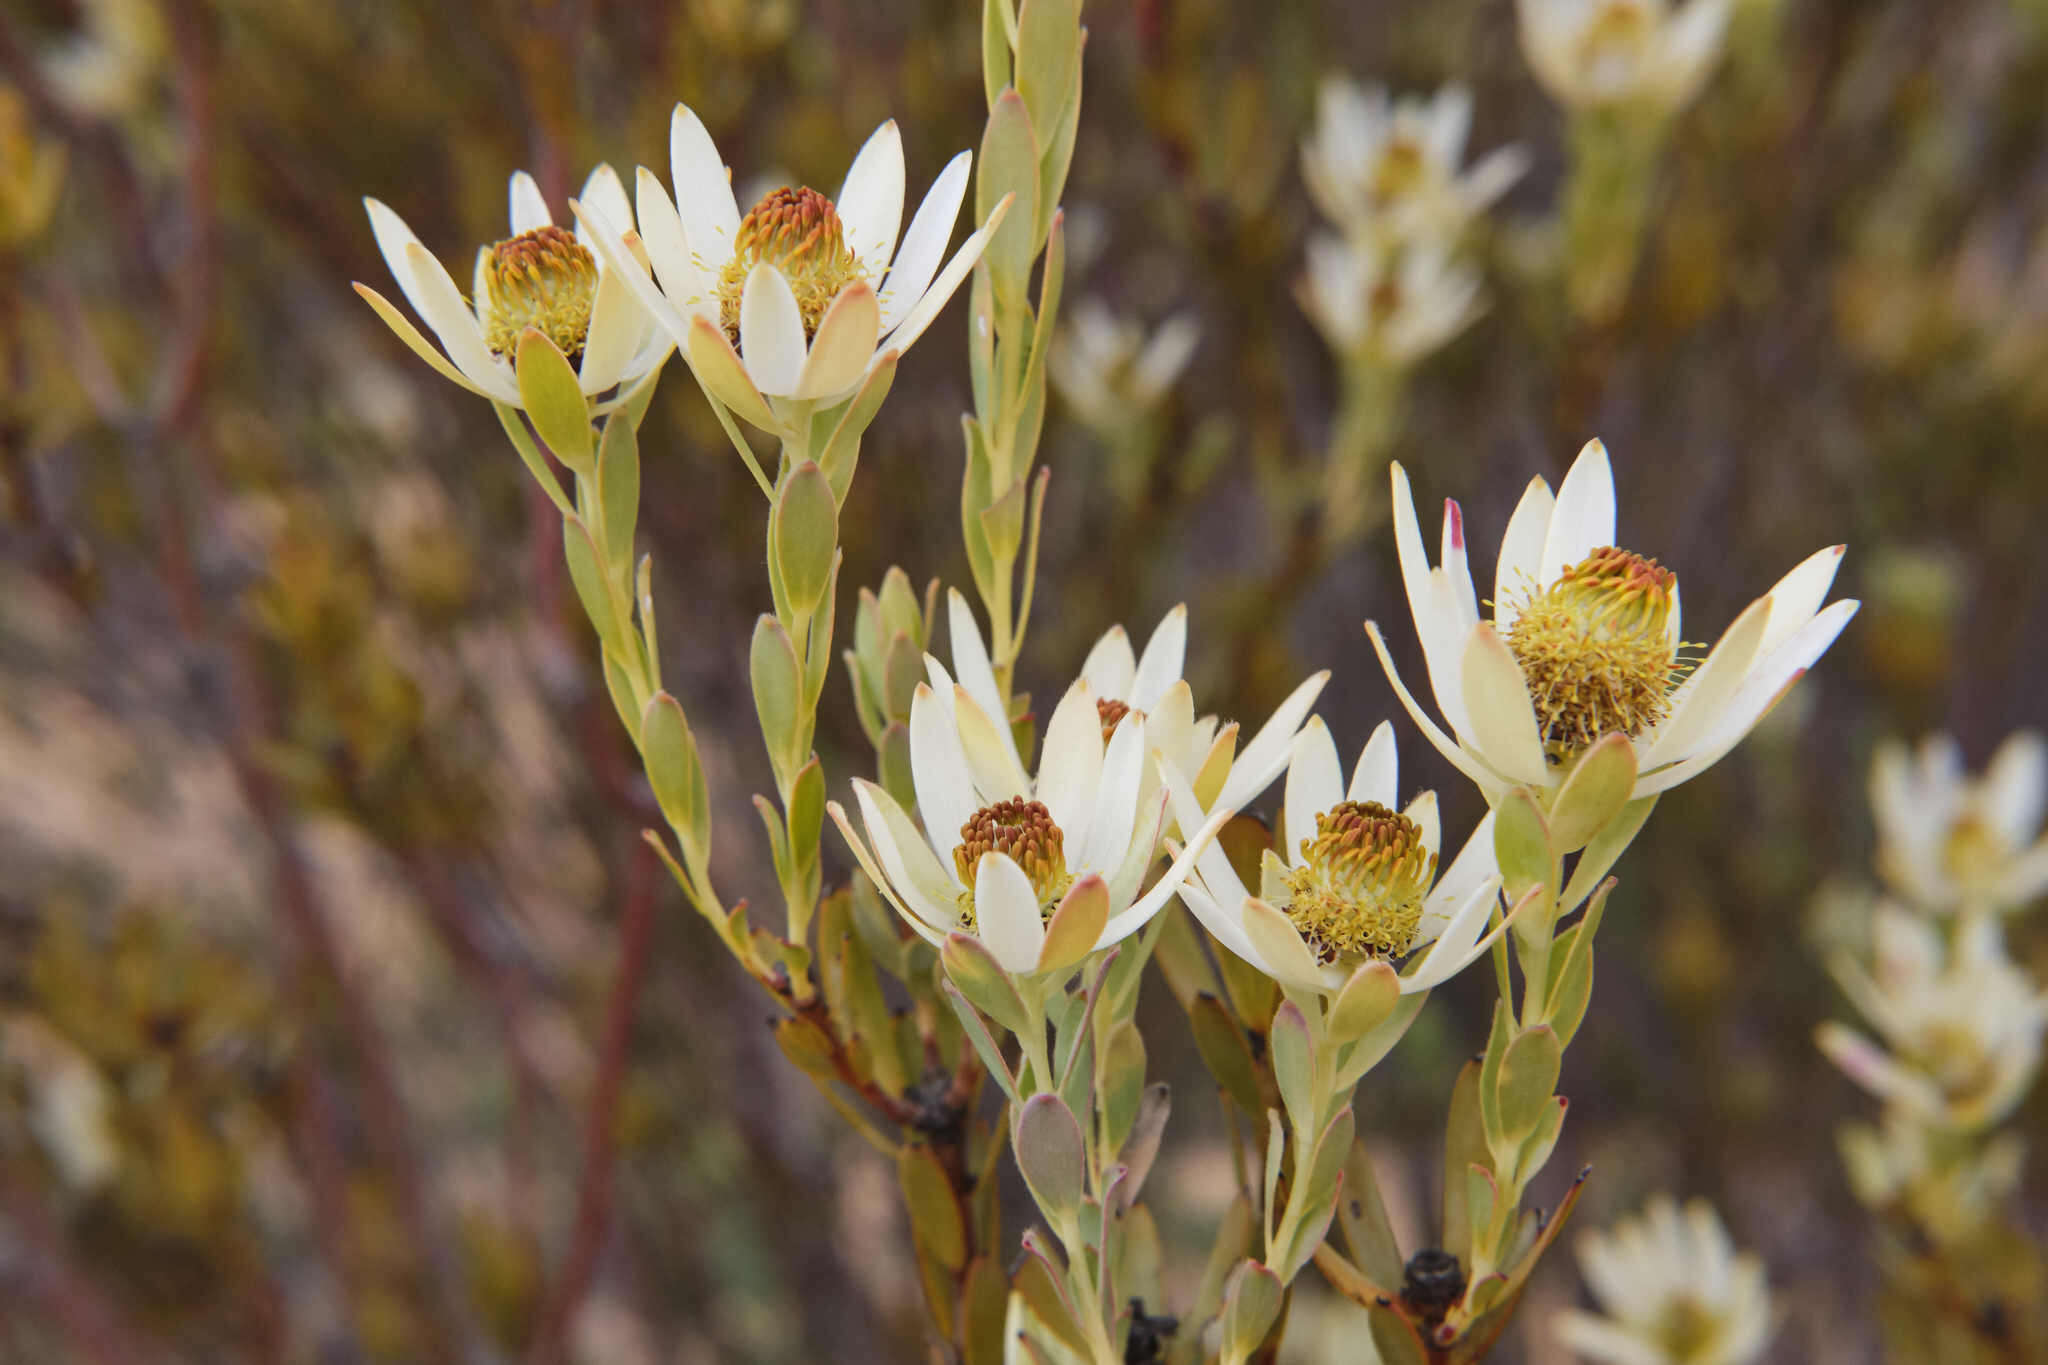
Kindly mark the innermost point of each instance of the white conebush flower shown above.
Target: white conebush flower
(1394, 302)
(1964, 1024)
(1042, 869)
(1948, 841)
(542, 276)
(801, 296)
(1203, 748)
(1379, 165)
(1584, 642)
(1602, 53)
(1110, 372)
(1674, 1290)
(1358, 880)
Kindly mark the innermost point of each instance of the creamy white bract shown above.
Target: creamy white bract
(1674, 1292)
(1584, 641)
(1948, 841)
(541, 276)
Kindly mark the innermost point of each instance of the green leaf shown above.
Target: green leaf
(893, 765)
(806, 813)
(618, 490)
(984, 1302)
(1294, 1068)
(778, 695)
(1464, 1144)
(530, 456)
(934, 1210)
(586, 573)
(1058, 149)
(1362, 1216)
(1002, 523)
(975, 494)
(1594, 794)
(995, 50)
(841, 455)
(1141, 1149)
(1522, 844)
(1009, 166)
(1500, 1035)
(1393, 1339)
(1605, 850)
(1543, 1140)
(979, 977)
(1365, 1002)
(1571, 988)
(1528, 1078)
(804, 531)
(1051, 1155)
(1233, 1242)
(677, 776)
(1048, 57)
(1250, 1307)
(982, 1041)
(805, 1044)
(1120, 1083)
(1317, 1195)
(554, 400)
(1225, 1052)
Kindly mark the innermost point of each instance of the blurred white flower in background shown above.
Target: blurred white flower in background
(1947, 840)
(1604, 53)
(1378, 165)
(1673, 1290)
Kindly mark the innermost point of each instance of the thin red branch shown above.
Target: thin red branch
(593, 1217)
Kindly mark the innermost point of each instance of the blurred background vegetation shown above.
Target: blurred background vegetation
(318, 831)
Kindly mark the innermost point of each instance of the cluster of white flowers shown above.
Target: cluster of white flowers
(1605, 54)
(1390, 284)
(1959, 1025)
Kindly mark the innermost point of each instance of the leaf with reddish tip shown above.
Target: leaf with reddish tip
(1366, 1001)
(1250, 1306)
(1077, 925)
(1594, 794)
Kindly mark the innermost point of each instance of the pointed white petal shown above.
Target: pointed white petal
(1160, 666)
(924, 245)
(1423, 813)
(616, 324)
(1287, 957)
(1799, 594)
(1521, 553)
(971, 663)
(1108, 836)
(1583, 518)
(1006, 913)
(2016, 787)
(1315, 783)
(845, 343)
(1497, 701)
(445, 312)
(529, 210)
(938, 771)
(668, 249)
(1377, 776)
(606, 194)
(393, 237)
(925, 310)
(1070, 764)
(1697, 703)
(1261, 759)
(711, 220)
(1111, 666)
(1490, 783)
(870, 203)
(771, 331)
(930, 890)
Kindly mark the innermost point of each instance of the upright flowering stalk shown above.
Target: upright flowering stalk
(1959, 1029)
(1389, 286)
(1571, 710)
(1623, 69)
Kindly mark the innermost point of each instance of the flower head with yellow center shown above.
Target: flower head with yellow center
(1949, 841)
(1964, 1023)
(1041, 869)
(1203, 748)
(542, 277)
(1674, 1291)
(1393, 302)
(1377, 165)
(1584, 642)
(1355, 880)
(800, 298)
(1109, 372)
(1605, 53)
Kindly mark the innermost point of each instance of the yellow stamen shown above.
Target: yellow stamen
(1023, 831)
(798, 232)
(545, 279)
(1358, 890)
